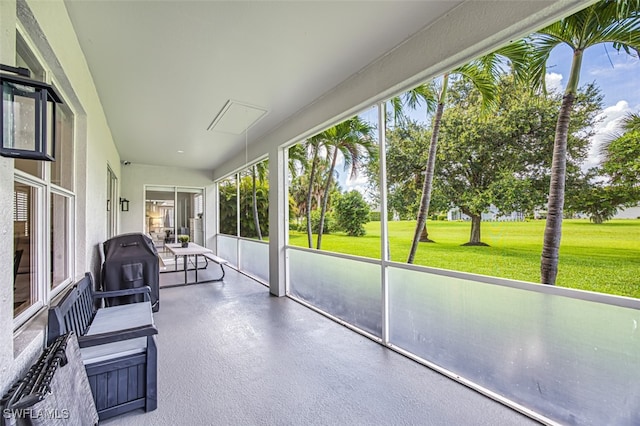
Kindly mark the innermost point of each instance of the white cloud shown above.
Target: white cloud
(619, 63)
(360, 179)
(608, 126)
(553, 81)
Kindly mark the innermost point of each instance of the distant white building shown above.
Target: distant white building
(493, 215)
(630, 213)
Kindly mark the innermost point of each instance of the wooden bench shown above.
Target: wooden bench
(220, 261)
(117, 345)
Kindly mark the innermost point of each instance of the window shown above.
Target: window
(43, 209)
(333, 185)
(61, 206)
(25, 58)
(27, 238)
(62, 168)
(112, 204)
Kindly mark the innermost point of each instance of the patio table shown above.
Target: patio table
(194, 250)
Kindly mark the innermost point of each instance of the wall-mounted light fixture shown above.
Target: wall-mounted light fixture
(124, 204)
(27, 106)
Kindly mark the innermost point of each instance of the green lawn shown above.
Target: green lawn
(603, 258)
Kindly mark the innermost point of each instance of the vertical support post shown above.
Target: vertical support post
(278, 220)
(384, 237)
(238, 259)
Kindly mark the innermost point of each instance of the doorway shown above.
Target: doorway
(171, 211)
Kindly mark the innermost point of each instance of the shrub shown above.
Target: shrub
(352, 212)
(329, 223)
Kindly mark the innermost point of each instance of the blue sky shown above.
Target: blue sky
(616, 73)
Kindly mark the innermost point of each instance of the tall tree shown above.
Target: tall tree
(297, 159)
(314, 144)
(353, 138)
(622, 156)
(618, 181)
(488, 161)
(427, 94)
(609, 21)
(406, 154)
(482, 73)
(258, 172)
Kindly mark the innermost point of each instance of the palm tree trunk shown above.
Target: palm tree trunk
(425, 200)
(256, 219)
(312, 176)
(553, 227)
(325, 198)
(424, 235)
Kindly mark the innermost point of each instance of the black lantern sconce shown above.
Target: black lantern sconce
(25, 112)
(124, 204)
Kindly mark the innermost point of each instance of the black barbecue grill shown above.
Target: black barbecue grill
(131, 261)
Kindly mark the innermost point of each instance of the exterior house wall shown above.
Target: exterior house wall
(490, 216)
(48, 26)
(7, 368)
(95, 147)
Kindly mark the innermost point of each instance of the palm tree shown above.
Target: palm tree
(297, 156)
(260, 170)
(631, 123)
(313, 144)
(482, 73)
(354, 139)
(424, 93)
(427, 93)
(608, 21)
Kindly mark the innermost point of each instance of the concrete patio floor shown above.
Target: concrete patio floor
(231, 354)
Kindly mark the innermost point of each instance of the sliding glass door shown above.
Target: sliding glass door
(171, 211)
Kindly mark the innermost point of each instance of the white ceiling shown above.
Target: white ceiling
(165, 69)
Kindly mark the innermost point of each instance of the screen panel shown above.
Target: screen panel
(574, 361)
(345, 288)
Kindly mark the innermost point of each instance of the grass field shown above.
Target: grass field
(603, 258)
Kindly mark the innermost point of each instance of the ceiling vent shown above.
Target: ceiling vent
(236, 117)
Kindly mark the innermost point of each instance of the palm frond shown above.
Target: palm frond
(542, 45)
(424, 93)
(628, 7)
(631, 122)
(482, 80)
(517, 54)
(412, 99)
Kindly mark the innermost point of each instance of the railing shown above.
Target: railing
(558, 354)
(341, 286)
(248, 256)
(254, 258)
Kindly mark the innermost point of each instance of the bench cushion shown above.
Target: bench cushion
(117, 318)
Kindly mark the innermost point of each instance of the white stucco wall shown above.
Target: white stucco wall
(98, 148)
(7, 57)
(48, 27)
